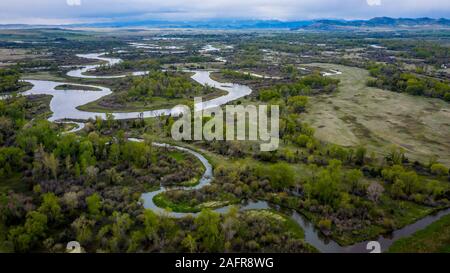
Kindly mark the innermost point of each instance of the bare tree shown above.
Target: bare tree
(374, 191)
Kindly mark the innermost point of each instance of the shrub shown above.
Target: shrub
(439, 169)
(325, 224)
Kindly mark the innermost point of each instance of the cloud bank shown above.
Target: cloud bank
(67, 11)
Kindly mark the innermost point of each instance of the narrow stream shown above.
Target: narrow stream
(64, 107)
(312, 235)
(65, 102)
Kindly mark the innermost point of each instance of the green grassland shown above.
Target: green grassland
(433, 239)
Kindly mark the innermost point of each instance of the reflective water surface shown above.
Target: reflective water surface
(64, 107)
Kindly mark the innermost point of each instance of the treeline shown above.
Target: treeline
(187, 58)
(127, 66)
(101, 210)
(57, 188)
(392, 78)
(54, 221)
(164, 84)
(433, 53)
(247, 56)
(9, 80)
(348, 193)
(39, 154)
(231, 74)
(14, 113)
(307, 85)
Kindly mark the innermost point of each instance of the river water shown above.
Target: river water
(64, 107)
(65, 102)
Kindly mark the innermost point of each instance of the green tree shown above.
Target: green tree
(360, 155)
(94, 204)
(353, 179)
(325, 186)
(9, 80)
(50, 207)
(396, 155)
(36, 225)
(302, 140)
(189, 243)
(298, 103)
(439, 169)
(151, 225)
(52, 164)
(208, 230)
(121, 224)
(411, 182)
(114, 153)
(83, 229)
(280, 175)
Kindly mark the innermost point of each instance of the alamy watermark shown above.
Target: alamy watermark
(250, 122)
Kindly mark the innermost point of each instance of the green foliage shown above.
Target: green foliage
(396, 156)
(50, 207)
(304, 86)
(392, 78)
(9, 80)
(126, 65)
(26, 236)
(120, 227)
(84, 229)
(11, 158)
(12, 117)
(94, 204)
(325, 224)
(208, 231)
(151, 224)
(302, 140)
(360, 155)
(162, 84)
(408, 185)
(137, 153)
(268, 95)
(298, 103)
(439, 169)
(325, 187)
(390, 174)
(433, 239)
(51, 163)
(40, 132)
(189, 243)
(280, 175)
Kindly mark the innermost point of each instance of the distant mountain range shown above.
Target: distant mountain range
(327, 24)
(385, 22)
(207, 24)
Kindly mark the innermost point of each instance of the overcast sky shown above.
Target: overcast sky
(72, 11)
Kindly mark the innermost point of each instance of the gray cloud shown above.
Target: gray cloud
(67, 11)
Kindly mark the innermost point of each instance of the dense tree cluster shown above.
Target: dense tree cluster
(391, 78)
(128, 66)
(344, 191)
(433, 53)
(9, 80)
(88, 188)
(163, 84)
(305, 86)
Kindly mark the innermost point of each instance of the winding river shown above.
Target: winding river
(64, 107)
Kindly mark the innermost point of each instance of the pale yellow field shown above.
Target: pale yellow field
(377, 118)
(13, 55)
